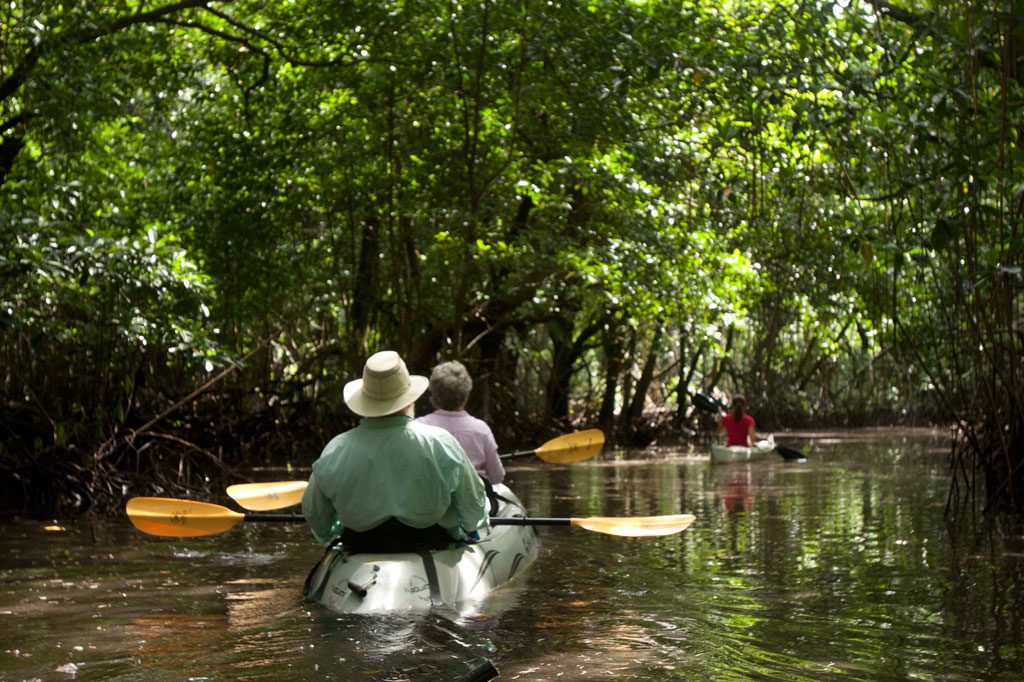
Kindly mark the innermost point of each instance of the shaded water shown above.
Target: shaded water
(839, 568)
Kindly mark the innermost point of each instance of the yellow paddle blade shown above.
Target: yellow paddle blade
(636, 526)
(180, 518)
(572, 447)
(267, 496)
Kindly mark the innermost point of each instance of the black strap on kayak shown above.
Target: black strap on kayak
(502, 498)
(307, 590)
(482, 673)
(432, 581)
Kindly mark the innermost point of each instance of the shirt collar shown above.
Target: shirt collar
(382, 422)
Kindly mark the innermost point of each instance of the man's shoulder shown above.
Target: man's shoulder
(335, 443)
(330, 451)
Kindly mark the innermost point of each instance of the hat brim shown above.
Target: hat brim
(367, 407)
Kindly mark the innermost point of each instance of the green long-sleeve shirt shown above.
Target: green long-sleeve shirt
(393, 467)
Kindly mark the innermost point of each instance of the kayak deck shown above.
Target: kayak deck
(740, 453)
(418, 581)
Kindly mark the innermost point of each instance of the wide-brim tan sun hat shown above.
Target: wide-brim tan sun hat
(386, 386)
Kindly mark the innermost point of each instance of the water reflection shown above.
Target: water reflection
(162, 640)
(841, 567)
(733, 485)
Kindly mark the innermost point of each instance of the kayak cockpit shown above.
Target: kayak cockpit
(419, 581)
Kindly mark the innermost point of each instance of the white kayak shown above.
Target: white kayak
(741, 453)
(411, 581)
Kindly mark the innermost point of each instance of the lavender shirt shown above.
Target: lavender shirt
(475, 437)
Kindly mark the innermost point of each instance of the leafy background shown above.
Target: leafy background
(211, 212)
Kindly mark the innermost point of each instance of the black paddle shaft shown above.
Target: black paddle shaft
(279, 518)
(521, 453)
(495, 520)
(531, 521)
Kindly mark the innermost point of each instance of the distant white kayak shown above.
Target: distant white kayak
(740, 453)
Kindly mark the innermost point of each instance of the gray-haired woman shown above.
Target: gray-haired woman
(450, 385)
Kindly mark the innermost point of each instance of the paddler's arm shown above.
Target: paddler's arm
(468, 495)
(492, 461)
(319, 512)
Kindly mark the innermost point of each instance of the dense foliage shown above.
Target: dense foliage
(212, 212)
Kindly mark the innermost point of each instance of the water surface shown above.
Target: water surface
(842, 567)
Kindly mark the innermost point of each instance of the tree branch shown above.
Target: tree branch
(898, 13)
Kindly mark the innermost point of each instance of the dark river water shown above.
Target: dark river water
(842, 567)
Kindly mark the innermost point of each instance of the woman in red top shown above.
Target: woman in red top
(738, 424)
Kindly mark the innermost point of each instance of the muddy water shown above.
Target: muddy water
(838, 568)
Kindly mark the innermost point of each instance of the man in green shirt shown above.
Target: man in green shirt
(392, 484)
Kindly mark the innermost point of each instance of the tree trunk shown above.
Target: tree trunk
(612, 344)
(633, 415)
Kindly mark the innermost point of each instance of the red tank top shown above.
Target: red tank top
(737, 430)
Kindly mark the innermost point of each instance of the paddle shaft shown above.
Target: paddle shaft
(169, 517)
(607, 525)
(523, 453)
(531, 521)
(495, 520)
(279, 518)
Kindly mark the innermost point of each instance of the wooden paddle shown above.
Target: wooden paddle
(173, 518)
(572, 447)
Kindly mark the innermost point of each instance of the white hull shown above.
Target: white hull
(739, 453)
(369, 583)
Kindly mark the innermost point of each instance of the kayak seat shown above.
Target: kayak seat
(394, 537)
